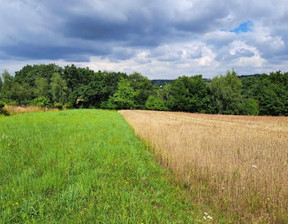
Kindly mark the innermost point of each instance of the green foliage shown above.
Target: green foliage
(59, 106)
(272, 97)
(12, 103)
(21, 93)
(3, 111)
(155, 103)
(42, 87)
(1, 85)
(84, 88)
(56, 167)
(225, 93)
(2, 104)
(249, 107)
(40, 102)
(69, 105)
(188, 94)
(7, 84)
(29, 74)
(124, 98)
(59, 89)
(143, 87)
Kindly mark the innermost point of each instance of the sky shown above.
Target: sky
(161, 39)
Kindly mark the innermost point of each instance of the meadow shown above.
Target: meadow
(236, 164)
(85, 166)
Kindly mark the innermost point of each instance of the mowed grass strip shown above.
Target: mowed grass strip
(83, 166)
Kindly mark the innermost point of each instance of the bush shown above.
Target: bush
(59, 106)
(3, 110)
(2, 105)
(40, 102)
(250, 107)
(12, 103)
(154, 103)
(69, 105)
(109, 104)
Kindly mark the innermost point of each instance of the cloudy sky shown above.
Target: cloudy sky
(158, 38)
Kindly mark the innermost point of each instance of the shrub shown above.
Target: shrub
(155, 103)
(250, 107)
(3, 110)
(59, 106)
(40, 102)
(2, 105)
(12, 103)
(69, 105)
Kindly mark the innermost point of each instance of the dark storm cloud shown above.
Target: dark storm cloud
(200, 33)
(31, 51)
(133, 23)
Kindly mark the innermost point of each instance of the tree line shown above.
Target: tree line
(74, 87)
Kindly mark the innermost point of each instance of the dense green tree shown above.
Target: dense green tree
(188, 94)
(59, 89)
(40, 102)
(249, 107)
(155, 103)
(1, 84)
(124, 98)
(42, 87)
(248, 84)
(28, 73)
(76, 77)
(82, 87)
(225, 93)
(8, 81)
(91, 95)
(21, 93)
(272, 98)
(110, 82)
(143, 87)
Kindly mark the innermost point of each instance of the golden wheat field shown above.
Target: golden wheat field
(238, 164)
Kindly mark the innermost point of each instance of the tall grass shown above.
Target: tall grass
(83, 166)
(238, 164)
(27, 109)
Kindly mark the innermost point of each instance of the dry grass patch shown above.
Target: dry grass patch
(27, 109)
(238, 164)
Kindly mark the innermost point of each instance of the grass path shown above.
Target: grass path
(83, 166)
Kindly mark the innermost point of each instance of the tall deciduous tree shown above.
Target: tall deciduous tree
(188, 94)
(8, 80)
(21, 93)
(59, 89)
(143, 87)
(42, 87)
(124, 98)
(1, 84)
(225, 93)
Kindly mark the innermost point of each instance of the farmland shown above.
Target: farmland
(237, 164)
(84, 166)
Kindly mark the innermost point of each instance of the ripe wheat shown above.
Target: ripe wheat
(239, 164)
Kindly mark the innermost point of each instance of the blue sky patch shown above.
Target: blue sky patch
(243, 27)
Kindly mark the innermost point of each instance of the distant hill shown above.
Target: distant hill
(161, 82)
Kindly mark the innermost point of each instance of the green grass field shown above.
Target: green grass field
(83, 166)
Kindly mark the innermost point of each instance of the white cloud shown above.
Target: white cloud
(161, 39)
